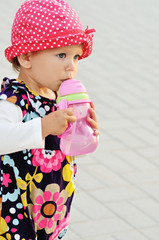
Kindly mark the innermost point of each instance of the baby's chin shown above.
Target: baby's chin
(59, 85)
(55, 90)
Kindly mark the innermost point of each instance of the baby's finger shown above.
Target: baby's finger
(92, 105)
(71, 118)
(96, 132)
(93, 123)
(93, 114)
(69, 111)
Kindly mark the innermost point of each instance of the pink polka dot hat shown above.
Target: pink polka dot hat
(43, 24)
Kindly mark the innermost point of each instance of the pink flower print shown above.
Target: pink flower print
(61, 229)
(53, 109)
(25, 98)
(47, 160)
(6, 179)
(48, 207)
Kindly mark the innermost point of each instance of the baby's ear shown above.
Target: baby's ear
(25, 60)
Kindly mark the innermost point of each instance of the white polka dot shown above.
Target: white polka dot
(16, 236)
(12, 210)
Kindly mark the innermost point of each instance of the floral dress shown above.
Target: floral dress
(36, 185)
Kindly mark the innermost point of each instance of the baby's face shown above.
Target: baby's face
(50, 67)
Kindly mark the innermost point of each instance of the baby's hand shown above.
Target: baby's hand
(92, 119)
(56, 122)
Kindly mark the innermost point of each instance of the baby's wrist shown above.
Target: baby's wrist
(44, 127)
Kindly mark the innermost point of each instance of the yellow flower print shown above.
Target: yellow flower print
(37, 177)
(69, 159)
(2, 238)
(3, 229)
(3, 225)
(24, 199)
(23, 185)
(0, 207)
(68, 176)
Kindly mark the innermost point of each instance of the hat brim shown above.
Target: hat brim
(61, 41)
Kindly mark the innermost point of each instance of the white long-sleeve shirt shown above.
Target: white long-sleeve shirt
(14, 135)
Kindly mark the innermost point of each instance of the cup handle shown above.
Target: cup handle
(62, 105)
(69, 127)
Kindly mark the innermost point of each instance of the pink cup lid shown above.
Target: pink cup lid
(71, 86)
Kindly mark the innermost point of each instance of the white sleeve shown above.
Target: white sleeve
(15, 134)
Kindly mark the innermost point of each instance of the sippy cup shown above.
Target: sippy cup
(79, 137)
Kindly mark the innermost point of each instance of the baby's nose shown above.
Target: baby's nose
(71, 65)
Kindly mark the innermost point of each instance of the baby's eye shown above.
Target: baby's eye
(61, 55)
(77, 56)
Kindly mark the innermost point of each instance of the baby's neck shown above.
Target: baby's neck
(47, 93)
(42, 91)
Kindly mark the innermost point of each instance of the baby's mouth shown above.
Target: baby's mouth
(66, 79)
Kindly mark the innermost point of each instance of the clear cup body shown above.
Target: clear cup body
(79, 138)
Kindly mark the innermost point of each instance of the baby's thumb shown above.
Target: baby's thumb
(70, 116)
(69, 111)
(71, 119)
